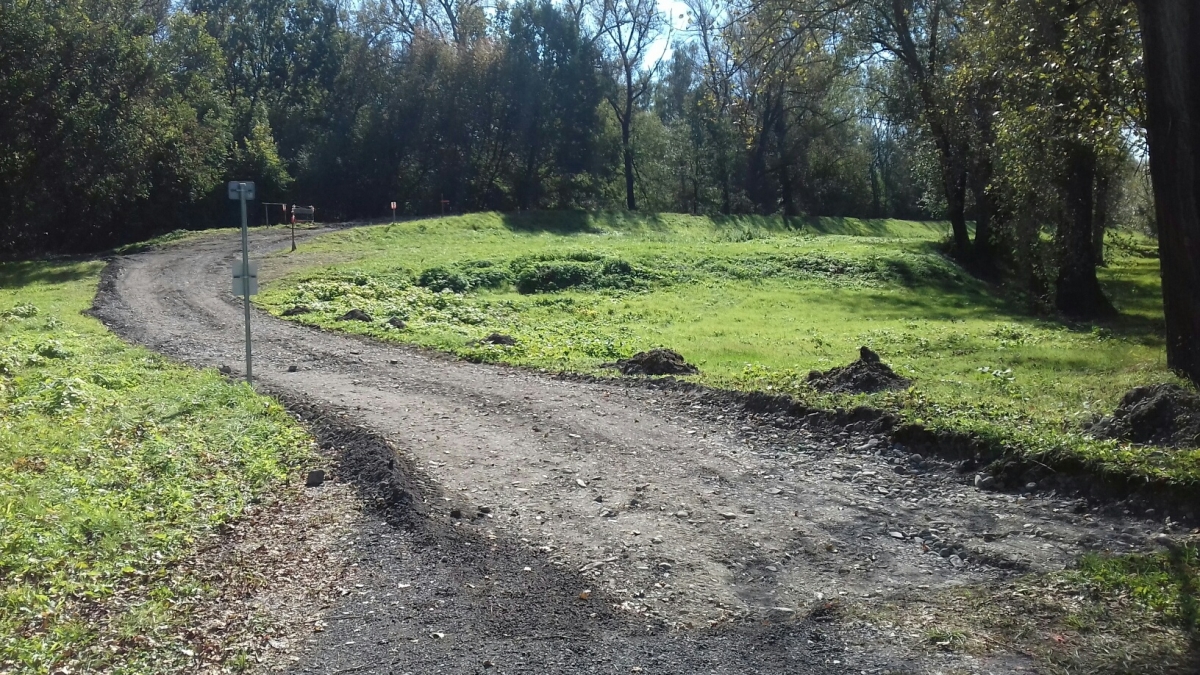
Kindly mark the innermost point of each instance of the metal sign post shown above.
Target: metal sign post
(243, 191)
(393, 212)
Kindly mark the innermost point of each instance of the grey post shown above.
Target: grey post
(246, 274)
(243, 190)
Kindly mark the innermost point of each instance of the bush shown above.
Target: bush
(443, 279)
(581, 269)
(464, 277)
(550, 276)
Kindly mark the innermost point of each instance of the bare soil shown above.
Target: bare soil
(867, 375)
(656, 362)
(532, 523)
(1165, 414)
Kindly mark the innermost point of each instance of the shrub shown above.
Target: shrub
(444, 279)
(550, 276)
(464, 277)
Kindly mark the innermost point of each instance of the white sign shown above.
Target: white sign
(237, 186)
(393, 206)
(239, 280)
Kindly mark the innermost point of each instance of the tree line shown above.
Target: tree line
(1029, 125)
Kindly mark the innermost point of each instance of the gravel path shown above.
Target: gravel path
(578, 526)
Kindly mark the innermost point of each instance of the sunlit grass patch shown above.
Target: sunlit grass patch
(112, 461)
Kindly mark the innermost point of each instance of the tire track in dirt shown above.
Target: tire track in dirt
(701, 540)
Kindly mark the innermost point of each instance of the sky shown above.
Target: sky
(662, 47)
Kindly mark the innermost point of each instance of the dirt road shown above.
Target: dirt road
(601, 527)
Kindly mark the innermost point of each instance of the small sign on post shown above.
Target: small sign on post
(393, 212)
(245, 275)
(235, 192)
(241, 277)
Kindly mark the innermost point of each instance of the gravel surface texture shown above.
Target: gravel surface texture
(525, 522)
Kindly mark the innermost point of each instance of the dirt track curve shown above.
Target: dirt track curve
(701, 536)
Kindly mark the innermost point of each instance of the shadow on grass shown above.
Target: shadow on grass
(582, 222)
(874, 227)
(954, 303)
(1137, 296)
(557, 222)
(1184, 566)
(25, 273)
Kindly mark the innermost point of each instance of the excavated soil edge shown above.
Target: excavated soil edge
(867, 375)
(1065, 474)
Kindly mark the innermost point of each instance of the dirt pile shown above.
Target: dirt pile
(499, 339)
(867, 375)
(656, 362)
(355, 315)
(1163, 414)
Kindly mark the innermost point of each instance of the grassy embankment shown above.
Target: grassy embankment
(112, 462)
(756, 304)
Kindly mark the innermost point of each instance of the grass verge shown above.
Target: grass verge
(113, 462)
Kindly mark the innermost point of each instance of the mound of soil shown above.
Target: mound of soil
(656, 362)
(1164, 414)
(355, 315)
(499, 339)
(297, 310)
(397, 323)
(867, 375)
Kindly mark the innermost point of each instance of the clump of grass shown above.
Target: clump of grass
(112, 462)
(946, 639)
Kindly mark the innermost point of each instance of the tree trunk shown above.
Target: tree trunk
(1171, 40)
(626, 141)
(785, 168)
(1027, 268)
(876, 202)
(1077, 291)
(982, 254)
(954, 182)
(1100, 225)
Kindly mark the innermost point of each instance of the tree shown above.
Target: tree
(1066, 76)
(921, 36)
(628, 28)
(1171, 40)
(108, 122)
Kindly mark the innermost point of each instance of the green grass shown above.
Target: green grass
(112, 461)
(1164, 583)
(756, 303)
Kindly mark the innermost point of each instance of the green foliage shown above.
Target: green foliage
(112, 462)
(1166, 582)
(111, 118)
(759, 311)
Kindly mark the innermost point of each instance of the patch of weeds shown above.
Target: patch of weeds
(946, 639)
(150, 244)
(463, 277)
(577, 270)
(1166, 583)
(1060, 621)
